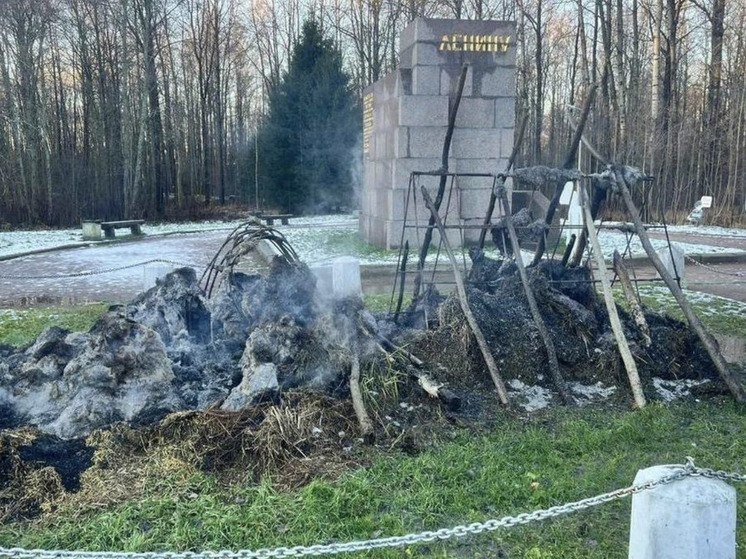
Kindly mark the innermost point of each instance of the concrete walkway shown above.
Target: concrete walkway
(119, 286)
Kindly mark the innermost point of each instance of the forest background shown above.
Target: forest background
(158, 108)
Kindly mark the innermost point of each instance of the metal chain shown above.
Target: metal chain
(686, 470)
(98, 272)
(713, 269)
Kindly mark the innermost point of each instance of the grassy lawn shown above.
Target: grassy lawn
(21, 327)
(559, 456)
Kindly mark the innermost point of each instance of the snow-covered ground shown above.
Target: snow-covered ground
(707, 304)
(708, 231)
(611, 241)
(320, 238)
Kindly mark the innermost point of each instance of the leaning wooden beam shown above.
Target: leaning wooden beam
(501, 180)
(634, 303)
(366, 425)
(402, 280)
(616, 324)
(734, 385)
(568, 164)
(441, 187)
(464, 301)
(559, 382)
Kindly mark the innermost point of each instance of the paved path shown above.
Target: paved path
(194, 249)
(710, 240)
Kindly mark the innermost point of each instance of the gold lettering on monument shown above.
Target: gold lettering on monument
(475, 43)
(367, 121)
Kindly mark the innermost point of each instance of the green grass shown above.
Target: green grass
(21, 327)
(379, 302)
(718, 314)
(564, 455)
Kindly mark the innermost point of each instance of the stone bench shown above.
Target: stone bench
(270, 219)
(92, 229)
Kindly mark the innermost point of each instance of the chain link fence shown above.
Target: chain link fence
(87, 273)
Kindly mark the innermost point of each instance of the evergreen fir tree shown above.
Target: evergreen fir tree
(312, 132)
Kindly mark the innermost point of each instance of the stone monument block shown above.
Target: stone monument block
(475, 112)
(423, 110)
(426, 80)
(406, 115)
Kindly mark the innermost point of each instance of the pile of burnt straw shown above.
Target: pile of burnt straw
(172, 349)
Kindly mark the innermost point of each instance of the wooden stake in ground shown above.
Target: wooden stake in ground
(402, 281)
(502, 393)
(616, 325)
(629, 293)
(734, 385)
(554, 369)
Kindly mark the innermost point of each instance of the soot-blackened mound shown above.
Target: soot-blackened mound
(577, 322)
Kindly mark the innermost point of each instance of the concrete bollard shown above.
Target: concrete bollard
(675, 265)
(153, 272)
(91, 230)
(692, 518)
(339, 278)
(346, 277)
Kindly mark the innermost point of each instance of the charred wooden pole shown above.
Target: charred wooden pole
(568, 164)
(402, 281)
(616, 324)
(441, 187)
(501, 182)
(464, 301)
(559, 382)
(734, 385)
(634, 303)
(568, 249)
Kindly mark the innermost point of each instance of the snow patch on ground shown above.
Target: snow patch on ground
(708, 231)
(670, 390)
(534, 398)
(707, 304)
(530, 398)
(587, 394)
(611, 241)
